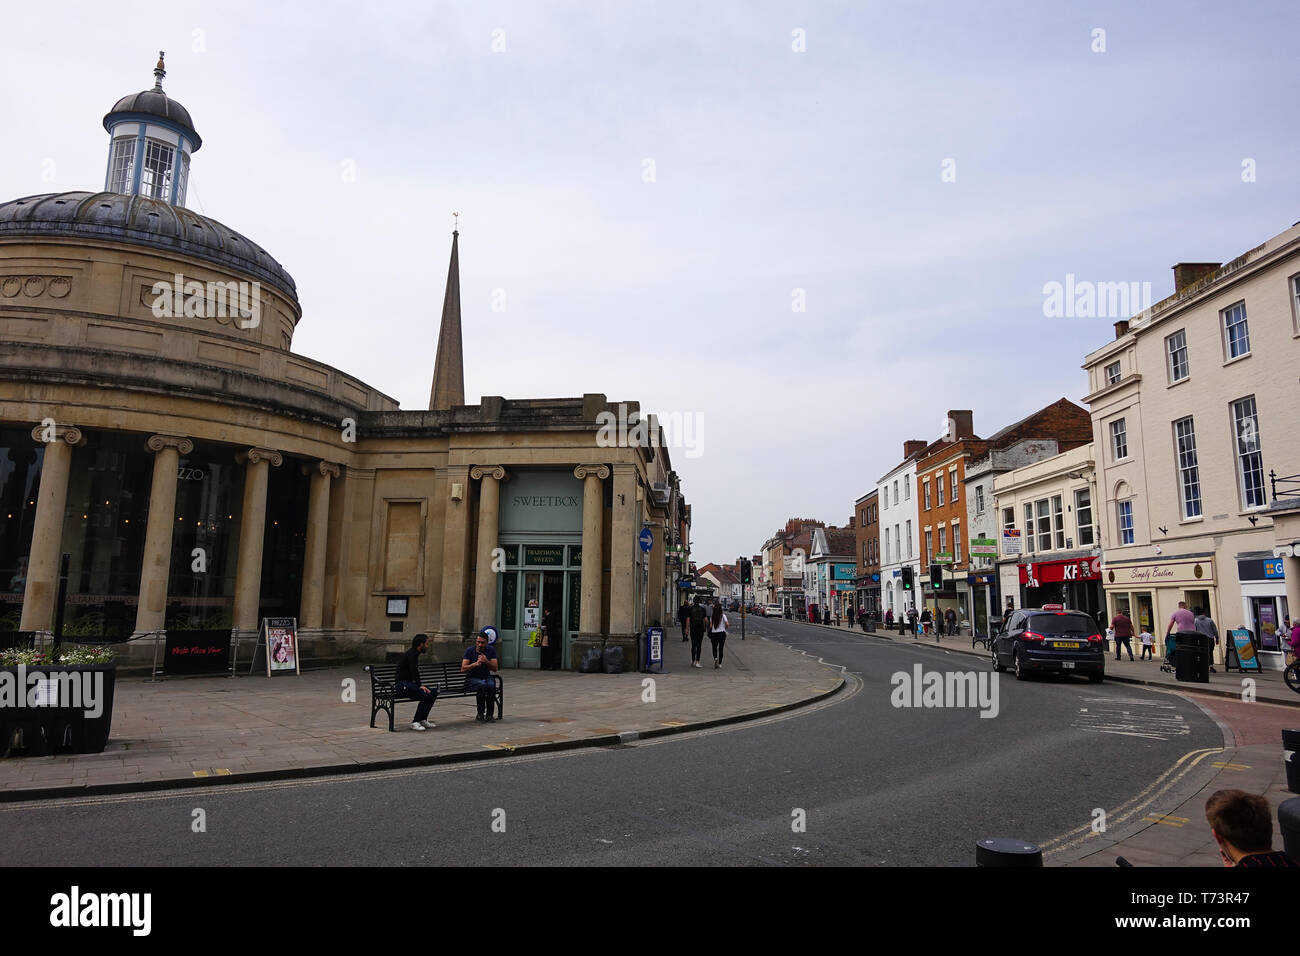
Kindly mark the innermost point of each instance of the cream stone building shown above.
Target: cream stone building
(156, 426)
(1194, 411)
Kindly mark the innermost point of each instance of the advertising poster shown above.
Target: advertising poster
(281, 645)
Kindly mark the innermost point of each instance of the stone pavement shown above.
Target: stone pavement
(200, 731)
(1165, 826)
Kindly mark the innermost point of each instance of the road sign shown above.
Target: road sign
(647, 539)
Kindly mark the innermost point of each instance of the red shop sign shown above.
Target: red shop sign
(1052, 572)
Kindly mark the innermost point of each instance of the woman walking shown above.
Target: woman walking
(717, 634)
(698, 621)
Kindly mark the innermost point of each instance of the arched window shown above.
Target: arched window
(122, 165)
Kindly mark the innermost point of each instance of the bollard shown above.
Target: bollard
(1002, 851)
(1288, 821)
(1291, 754)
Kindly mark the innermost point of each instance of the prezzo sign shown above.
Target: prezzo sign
(190, 474)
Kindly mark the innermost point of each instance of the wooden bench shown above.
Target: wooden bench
(445, 678)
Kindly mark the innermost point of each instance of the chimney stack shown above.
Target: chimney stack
(914, 447)
(961, 424)
(1121, 328)
(1190, 273)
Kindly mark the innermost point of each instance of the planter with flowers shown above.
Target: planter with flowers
(54, 701)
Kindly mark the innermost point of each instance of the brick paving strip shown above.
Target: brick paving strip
(217, 730)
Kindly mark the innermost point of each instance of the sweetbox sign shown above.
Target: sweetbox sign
(1164, 574)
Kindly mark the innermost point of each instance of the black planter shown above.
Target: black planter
(47, 730)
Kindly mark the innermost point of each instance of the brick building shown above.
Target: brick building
(867, 552)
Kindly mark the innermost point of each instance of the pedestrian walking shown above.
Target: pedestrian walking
(889, 619)
(1123, 634)
(926, 621)
(684, 619)
(1148, 645)
(911, 619)
(1205, 624)
(718, 634)
(698, 621)
(850, 615)
(950, 619)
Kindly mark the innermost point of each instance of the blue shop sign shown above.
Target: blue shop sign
(1273, 568)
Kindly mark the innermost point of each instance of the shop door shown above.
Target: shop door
(1145, 619)
(530, 619)
(550, 657)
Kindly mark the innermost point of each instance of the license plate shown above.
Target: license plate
(1070, 644)
(1067, 665)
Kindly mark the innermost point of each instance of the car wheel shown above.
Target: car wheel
(998, 666)
(1021, 672)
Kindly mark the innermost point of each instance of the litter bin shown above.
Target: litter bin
(1192, 651)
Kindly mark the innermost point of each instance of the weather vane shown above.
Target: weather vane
(455, 217)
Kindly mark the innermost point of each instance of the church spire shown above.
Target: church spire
(449, 367)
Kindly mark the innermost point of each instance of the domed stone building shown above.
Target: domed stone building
(156, 426)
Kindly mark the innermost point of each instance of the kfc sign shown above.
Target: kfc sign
(1053, 572)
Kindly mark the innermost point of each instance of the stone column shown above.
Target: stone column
(312, 614)
(151, 609)
(489, 511)
(593, 558)
(622, 560)
(657, 604)
(42, 586)
(252, 530)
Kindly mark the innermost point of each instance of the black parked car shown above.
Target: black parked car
(1050, 640)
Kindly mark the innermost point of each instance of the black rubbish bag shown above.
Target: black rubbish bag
(591, 662)
(614, 660)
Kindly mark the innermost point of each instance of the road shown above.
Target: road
(871, 783)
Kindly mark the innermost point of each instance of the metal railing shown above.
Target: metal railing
(1290, 485)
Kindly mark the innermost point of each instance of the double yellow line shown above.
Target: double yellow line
(1137, 807)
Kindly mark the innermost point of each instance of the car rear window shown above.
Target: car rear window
(1051, 623)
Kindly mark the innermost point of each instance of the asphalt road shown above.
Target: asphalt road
(872, 783)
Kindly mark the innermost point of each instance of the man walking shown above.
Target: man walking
(1181, 620)
(911, 619)
(478, 665)
(1205, 624)
(697, 620)
(950, 620)
(1123, 628)
(683, 618)
(407, 681)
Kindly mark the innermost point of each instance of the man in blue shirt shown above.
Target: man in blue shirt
(478, 665)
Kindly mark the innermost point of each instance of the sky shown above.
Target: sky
(803, 230)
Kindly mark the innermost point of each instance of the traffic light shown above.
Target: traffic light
(936, 577)
(746, 571)
(907, 578)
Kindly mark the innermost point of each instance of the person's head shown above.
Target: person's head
(420, 643)
(480, 642)
(1183, 605)
(1242, 823)
(1199, 612)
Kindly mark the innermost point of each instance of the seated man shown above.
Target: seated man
(1242, 825)
(478, 665)
(407, 681)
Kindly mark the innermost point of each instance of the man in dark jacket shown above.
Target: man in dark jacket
(698, 617)
(407, 681)
(683, 618)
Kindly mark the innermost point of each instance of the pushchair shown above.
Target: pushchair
(1168, 665)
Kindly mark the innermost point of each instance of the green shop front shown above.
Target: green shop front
(540, 532)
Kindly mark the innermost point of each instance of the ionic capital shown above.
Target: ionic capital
(157, 443)
(593, 471)
(488, 471)
(327, 469)
(255, 455)
(50, 433)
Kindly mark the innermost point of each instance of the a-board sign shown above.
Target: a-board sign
(1245, 648)
(281, 637)
(197, 652)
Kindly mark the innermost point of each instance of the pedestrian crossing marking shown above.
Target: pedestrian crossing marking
(200, 773)
(673, 723)
(223, 772)
(1223, 765)
(1167, 819)
(1125, 716)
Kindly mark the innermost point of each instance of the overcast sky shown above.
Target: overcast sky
(648, 186)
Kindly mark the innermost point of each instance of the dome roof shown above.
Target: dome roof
(158, 225)
(155, 103)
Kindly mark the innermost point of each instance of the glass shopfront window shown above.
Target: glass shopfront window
(285, 544)
(205, 539)
(20, 480)
(104, 529)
